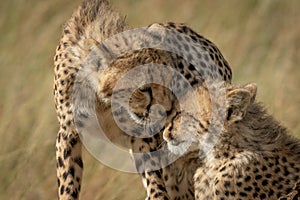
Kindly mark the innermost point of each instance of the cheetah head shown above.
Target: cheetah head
(186, 132)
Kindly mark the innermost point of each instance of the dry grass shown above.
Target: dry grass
(260, 39)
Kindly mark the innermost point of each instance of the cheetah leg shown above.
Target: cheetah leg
(69, 165)
(155, 189)
(153, 180)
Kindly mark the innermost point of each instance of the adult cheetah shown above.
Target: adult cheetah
(82, 39)
(252, 155)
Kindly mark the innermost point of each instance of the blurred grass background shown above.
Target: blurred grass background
(259, 38)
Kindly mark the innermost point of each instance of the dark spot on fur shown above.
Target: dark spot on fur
(62, 190)
(78, 161)
(71, 171)
(65, 175)
(67, 153)
(74, 194)
(73, 142)
(60, 162)
(68, 190)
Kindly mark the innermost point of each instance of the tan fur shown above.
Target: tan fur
(95, 20)
(254, 157)
(92, 23)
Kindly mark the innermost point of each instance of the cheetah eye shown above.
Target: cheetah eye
(229, 113)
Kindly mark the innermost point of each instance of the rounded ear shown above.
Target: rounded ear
(252, 88)
(238, 101)
(89, 45)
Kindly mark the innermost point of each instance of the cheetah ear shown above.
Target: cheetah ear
(238, 101)
(89, 44)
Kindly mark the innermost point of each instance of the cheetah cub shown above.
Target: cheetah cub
(250, 156)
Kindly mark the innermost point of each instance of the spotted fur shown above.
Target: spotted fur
(253, 157)
(81, 41)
